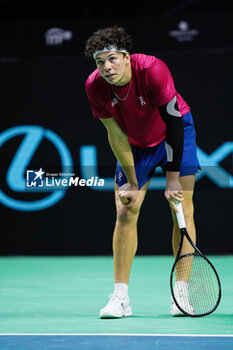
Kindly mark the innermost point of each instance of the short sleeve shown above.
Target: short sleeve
(161, 83)
(97, 108)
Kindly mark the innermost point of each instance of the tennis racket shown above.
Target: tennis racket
(194, 282)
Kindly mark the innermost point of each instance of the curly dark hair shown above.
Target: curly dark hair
(107, 37)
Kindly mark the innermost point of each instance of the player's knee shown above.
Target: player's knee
(126, 215)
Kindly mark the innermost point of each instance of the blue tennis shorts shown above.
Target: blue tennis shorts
(147, 159)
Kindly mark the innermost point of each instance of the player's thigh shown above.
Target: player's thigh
(187, 182)
(122, 209)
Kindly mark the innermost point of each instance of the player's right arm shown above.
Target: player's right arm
(121, 148)
(118, 140)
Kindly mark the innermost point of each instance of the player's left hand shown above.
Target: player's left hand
(174, 192)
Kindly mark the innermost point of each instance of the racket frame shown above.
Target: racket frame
(184, 233)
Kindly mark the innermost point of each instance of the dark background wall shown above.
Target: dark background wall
(42, 86)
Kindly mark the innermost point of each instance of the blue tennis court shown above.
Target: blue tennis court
(114, 342)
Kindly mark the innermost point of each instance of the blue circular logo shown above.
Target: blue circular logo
(16, 173)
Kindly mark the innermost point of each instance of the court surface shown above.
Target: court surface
(49, 303)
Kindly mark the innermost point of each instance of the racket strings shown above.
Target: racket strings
(195, 285)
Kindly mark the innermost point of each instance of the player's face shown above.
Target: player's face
(114, 67)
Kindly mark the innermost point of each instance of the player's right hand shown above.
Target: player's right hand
(128, 194)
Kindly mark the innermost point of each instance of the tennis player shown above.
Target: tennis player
(148, 125)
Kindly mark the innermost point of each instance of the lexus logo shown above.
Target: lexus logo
(15, 176)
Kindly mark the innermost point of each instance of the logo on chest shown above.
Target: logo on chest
(114, 102)
(142, 101)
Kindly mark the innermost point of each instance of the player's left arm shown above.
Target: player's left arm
(174, 147)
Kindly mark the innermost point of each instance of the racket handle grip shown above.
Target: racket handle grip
(180, 215)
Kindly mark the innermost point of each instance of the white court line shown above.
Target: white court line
(120, 334)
